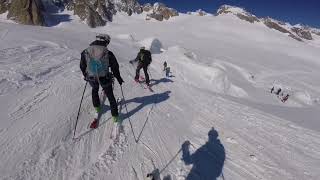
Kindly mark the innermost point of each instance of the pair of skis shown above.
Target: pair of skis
(141, 81)
(87, 131)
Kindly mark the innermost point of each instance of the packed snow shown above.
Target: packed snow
(214, 117)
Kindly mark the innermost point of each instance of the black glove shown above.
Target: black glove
(120, 80)
(85, 77)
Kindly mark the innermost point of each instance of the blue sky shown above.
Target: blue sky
(293, 11)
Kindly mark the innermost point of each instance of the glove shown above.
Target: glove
(85, 77)
(120, 80)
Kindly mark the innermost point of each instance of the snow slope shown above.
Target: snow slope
(217, 97)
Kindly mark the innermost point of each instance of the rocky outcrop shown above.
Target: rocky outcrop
(239, 12)
(92, 13)
(99, 12)
(4, 6)
(28, 12)
(128, 6)
(160, 12)
(248, 18)
(273, 24)
(302, 33)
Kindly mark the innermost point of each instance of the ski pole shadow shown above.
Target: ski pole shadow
(144, 125)
(158, 81)
(208, 160)
(155, 174)
(145, 101)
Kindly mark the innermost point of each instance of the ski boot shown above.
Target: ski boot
(115, 119)
(95, 122)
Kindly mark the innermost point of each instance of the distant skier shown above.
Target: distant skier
(167, 71)
(144, 59)
(272, 89)
(166, 68)
(278, 92)
(94, 64)
(165, 65)
(285, 98)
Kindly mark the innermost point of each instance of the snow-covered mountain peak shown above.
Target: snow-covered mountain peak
(227, 9)
(237, 11)
(159, 11)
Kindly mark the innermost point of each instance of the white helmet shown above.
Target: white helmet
(104, 37)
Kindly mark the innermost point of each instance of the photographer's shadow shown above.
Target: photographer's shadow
(208, 160)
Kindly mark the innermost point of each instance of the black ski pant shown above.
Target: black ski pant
(145, 69)
(106, 85)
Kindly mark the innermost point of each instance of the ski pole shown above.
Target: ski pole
(75, 127)
(149, 74)
(125, 104)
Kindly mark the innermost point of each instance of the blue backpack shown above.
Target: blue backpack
(97, 61)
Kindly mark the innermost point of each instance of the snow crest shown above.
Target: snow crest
(152, 44)
(212, 77)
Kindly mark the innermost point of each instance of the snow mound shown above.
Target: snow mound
(302, 97)
(126, 37)
(152, 44)
(214, 77)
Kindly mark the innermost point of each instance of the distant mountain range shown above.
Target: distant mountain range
(298, 32)
(99, 12)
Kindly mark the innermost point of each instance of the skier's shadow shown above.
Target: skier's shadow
(154, 82)
(208, 160)
(145, 101)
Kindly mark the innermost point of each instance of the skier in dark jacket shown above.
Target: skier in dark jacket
(272, 89)
(144, 59)
(279, 91)
(95, 63)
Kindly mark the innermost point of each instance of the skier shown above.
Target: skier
(94, 64)
(278, 92)
(285, 98)
(165, 65)
(144, 59)
(167, 71)
(272, 89)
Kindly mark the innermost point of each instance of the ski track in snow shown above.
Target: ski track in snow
(209, 101)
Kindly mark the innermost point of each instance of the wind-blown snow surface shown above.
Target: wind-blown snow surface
(217, 97)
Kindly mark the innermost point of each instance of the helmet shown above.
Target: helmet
(104, 37)
(142, 48)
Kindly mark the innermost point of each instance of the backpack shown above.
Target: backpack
(97, 61)
(146, 57)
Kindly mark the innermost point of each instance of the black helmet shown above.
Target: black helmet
(104, 37)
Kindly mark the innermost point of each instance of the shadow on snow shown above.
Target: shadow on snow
(208, 160)
(145, 101)
(154, 82)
